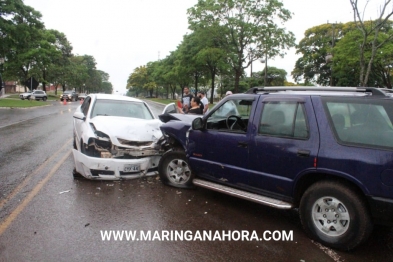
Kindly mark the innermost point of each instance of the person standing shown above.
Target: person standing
(204, 101)
(194, 107)
(186, 99)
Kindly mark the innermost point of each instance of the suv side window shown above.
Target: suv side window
(367, 123)
(241, 108)
(284, 119)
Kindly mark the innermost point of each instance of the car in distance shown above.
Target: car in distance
(36, 94)
(115, 137)
(39, 95)
(326, 151)
(69, 96)
(25, 95)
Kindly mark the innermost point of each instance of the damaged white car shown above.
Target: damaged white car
(115, 137)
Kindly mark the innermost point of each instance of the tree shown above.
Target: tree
(20, 34)
(346, 60)
(343, 69)
(249, 28)
(138, 79)
(210, 57)
(275, 77)
(315, 47)
(370, 37)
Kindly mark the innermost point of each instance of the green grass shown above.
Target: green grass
(16, 96)
(12, 102)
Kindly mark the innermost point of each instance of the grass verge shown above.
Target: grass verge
(11, 102)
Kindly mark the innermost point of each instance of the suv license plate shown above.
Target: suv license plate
(131, 168)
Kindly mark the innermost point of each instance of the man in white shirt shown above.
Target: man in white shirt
(204, 101)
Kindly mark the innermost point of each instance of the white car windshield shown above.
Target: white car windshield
(106, 107)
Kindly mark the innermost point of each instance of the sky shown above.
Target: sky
(124, 34)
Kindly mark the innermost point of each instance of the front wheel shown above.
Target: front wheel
(174, 170)
(335, 215)
(44, 98)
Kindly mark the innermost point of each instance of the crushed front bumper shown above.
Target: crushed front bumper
(115, 169)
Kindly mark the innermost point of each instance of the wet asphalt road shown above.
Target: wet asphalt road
(46, 215)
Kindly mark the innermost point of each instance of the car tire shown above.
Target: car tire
(174, 170)
(44, 98)
(335, 215)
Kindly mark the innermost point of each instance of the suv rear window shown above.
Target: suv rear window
(366, 122)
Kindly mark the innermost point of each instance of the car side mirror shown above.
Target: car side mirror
(197, 124)
(80, 116)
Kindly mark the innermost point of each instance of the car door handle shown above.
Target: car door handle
(242, 144)
(303, 152)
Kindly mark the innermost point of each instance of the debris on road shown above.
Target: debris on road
(62, 192)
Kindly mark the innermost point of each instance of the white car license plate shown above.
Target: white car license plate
(131, 168)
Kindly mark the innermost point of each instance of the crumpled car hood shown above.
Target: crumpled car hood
(132, 129)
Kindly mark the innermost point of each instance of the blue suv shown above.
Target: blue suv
(327, 151)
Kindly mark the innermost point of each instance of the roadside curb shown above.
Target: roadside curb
(23, 107)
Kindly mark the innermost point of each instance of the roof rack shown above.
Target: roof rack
(374, 91)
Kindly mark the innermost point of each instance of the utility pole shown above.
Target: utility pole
(329, 57)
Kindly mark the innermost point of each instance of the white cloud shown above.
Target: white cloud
(124, 34)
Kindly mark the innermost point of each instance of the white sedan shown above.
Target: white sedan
(115, 137)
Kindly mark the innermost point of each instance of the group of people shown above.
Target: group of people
(195, 104)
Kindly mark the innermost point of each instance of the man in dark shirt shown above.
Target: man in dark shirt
(186, 99)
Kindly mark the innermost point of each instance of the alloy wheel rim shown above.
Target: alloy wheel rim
(331, 216)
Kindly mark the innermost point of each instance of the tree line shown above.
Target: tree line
(226, 36)
(32, 51)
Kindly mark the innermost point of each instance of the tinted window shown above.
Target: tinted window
(366, 122)
(284, 119)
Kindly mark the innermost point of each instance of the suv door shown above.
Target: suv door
(284, 145)
(221, 152)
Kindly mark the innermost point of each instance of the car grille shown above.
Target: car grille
(96, 172)
(134, 143)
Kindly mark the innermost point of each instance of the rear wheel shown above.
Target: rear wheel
(335, 215)
(174, 170)
(44, 98)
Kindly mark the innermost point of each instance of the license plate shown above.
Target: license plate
(131, 168)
